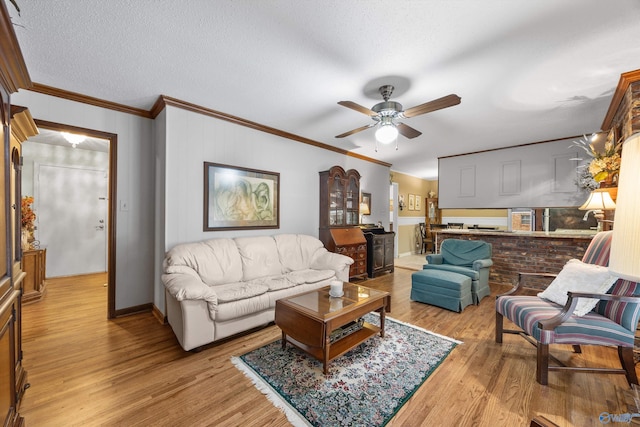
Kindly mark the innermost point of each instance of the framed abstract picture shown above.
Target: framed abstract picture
(237, 198)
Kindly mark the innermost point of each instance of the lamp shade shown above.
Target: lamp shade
(625, 244)
(364, 209)
(599, 199)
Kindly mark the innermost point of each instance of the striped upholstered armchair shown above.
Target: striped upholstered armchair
(612, 322)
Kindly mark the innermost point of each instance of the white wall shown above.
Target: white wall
(538, 175)
(135, 167)
(191, 139)
(70, 252)
(35, 152)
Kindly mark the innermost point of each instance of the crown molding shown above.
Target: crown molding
(22, 125)
(625, 80)
(164, 101)
(97, 102)
(13, 70)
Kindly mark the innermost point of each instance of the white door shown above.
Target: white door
(71, 205)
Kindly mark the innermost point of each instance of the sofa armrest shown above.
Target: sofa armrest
(183, 283)
(482, 263)
(435, 259)
(326, 260)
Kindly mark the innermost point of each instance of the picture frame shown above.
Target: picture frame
(418, 197)
(366, 201)
(412, 202)
(238, 198)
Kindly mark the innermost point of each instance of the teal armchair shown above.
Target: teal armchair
(469, 257)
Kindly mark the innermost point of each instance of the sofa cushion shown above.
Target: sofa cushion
(237, 291)
(259, 257)
(297, 251)
(216, 261)
(310, 276)
(274, 283)
(241, 308)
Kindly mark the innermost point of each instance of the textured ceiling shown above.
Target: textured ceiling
(526, 70)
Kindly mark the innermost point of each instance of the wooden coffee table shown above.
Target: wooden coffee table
(308, 319)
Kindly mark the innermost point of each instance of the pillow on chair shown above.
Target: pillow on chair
(577, 276)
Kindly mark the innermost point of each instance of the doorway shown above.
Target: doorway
(81, 190)
(74, 198)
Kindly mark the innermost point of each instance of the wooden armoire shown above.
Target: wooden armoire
(16, 124)
(340, 215)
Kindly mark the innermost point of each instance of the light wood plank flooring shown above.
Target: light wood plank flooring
(87, 371)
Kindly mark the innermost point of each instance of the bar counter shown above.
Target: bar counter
(524, 251)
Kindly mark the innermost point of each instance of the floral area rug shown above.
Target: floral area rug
(365, 387)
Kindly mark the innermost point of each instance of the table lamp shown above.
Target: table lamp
(599, 200)
(624, 261)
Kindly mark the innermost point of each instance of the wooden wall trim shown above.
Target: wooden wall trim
(512, 146)
(163, 101)
(623, 84)
(113, 197)
(78, 97)
(13, 70)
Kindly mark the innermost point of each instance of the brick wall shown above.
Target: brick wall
(514, 253)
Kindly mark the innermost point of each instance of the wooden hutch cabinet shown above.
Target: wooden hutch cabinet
(339, 217)
(13, 76)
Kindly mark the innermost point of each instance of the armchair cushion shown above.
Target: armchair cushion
(467, 271)
(464, 252)
(579, 277)
(527, 311)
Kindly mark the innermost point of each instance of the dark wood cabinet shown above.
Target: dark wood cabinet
(339, 217)
(380, 251)
(350, 242)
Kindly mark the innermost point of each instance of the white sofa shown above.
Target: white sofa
(220, 287)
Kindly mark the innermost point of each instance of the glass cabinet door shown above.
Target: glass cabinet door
(352, 196)
(336, 201)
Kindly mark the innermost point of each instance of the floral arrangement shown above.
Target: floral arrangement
(602, 166)
(28, 216)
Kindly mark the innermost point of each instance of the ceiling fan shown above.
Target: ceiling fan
(387, 115)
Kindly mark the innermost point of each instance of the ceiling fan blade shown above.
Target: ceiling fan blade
(351, 132)
(359, 108)
(436, 104)
(407, 131)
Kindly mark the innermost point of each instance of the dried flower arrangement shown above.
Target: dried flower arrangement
(603, 166)
(28, 216)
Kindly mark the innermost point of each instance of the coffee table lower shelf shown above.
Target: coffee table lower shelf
(336, 348)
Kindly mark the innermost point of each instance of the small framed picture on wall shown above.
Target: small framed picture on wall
(412, 202)
(418, 197)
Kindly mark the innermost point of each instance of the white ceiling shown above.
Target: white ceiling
(526, 70)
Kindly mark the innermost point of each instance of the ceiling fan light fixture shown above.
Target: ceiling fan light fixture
(386, 133)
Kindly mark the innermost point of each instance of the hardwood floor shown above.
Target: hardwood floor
(85, 370)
